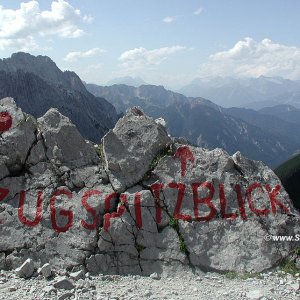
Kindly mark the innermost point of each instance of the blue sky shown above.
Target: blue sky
(166, 42)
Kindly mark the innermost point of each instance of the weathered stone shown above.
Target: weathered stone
(15, 143)
(45, 270)
(63, 283)
(49, 289)
(163, 221)
(255, 295)
(154, 276)
(66, 296)
(77, 275)
(26, 269)
(294, 286)
(131, 146)
(219, 242)
(65, 146)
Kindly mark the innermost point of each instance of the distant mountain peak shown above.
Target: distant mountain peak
(37, 84)
(127, 80)
(44, 67)
(231, 91)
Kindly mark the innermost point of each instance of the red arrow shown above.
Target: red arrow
(185, 154)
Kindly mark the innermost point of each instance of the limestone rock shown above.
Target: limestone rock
(45, 270)
(64, 144)
(29, 166)
(255, 295)
(77, 275)
(195, 210)
(154, 276)
(66, 296)
(227, 236)
(15, 143)
(63, 283)
(49, 289)
(131, 146)
(26, 269)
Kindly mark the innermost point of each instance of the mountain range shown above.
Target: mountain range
(37, 84)
(259, 136)
(255, 93)
(128, 80)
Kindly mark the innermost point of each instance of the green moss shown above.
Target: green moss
(139, 247)
(247, 275)
(174, 224)
(99, 150)
(242, 276)
(182, 245)
(231, 275)
(297, 251)
(165, 152)
(289, 267)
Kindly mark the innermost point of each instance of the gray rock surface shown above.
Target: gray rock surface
(63, 283)
(26, 269)
(45, 270)
(77, 275)
(45, 156)
(131, 146)
(155, 206)
(64, 145)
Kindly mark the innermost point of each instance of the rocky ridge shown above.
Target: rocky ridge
(147, 204)
(257, 135)
(28, 79)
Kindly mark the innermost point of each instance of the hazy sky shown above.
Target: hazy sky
(163, 41)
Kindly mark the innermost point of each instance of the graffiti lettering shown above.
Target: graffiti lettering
(208, 199)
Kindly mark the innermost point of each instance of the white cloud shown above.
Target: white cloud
(21, 44)
(249, 58)
(140, 58)
(169, 19)
(198, 11)
(29, 21)
(73, 56)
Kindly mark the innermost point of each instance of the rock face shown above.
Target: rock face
(26, 270)
(131, 146)
(146, 205)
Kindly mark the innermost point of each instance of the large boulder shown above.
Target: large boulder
(41, 159)
(147, 210)
(17, 138)
(131, 146)
(63, 142)
(230, 206)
